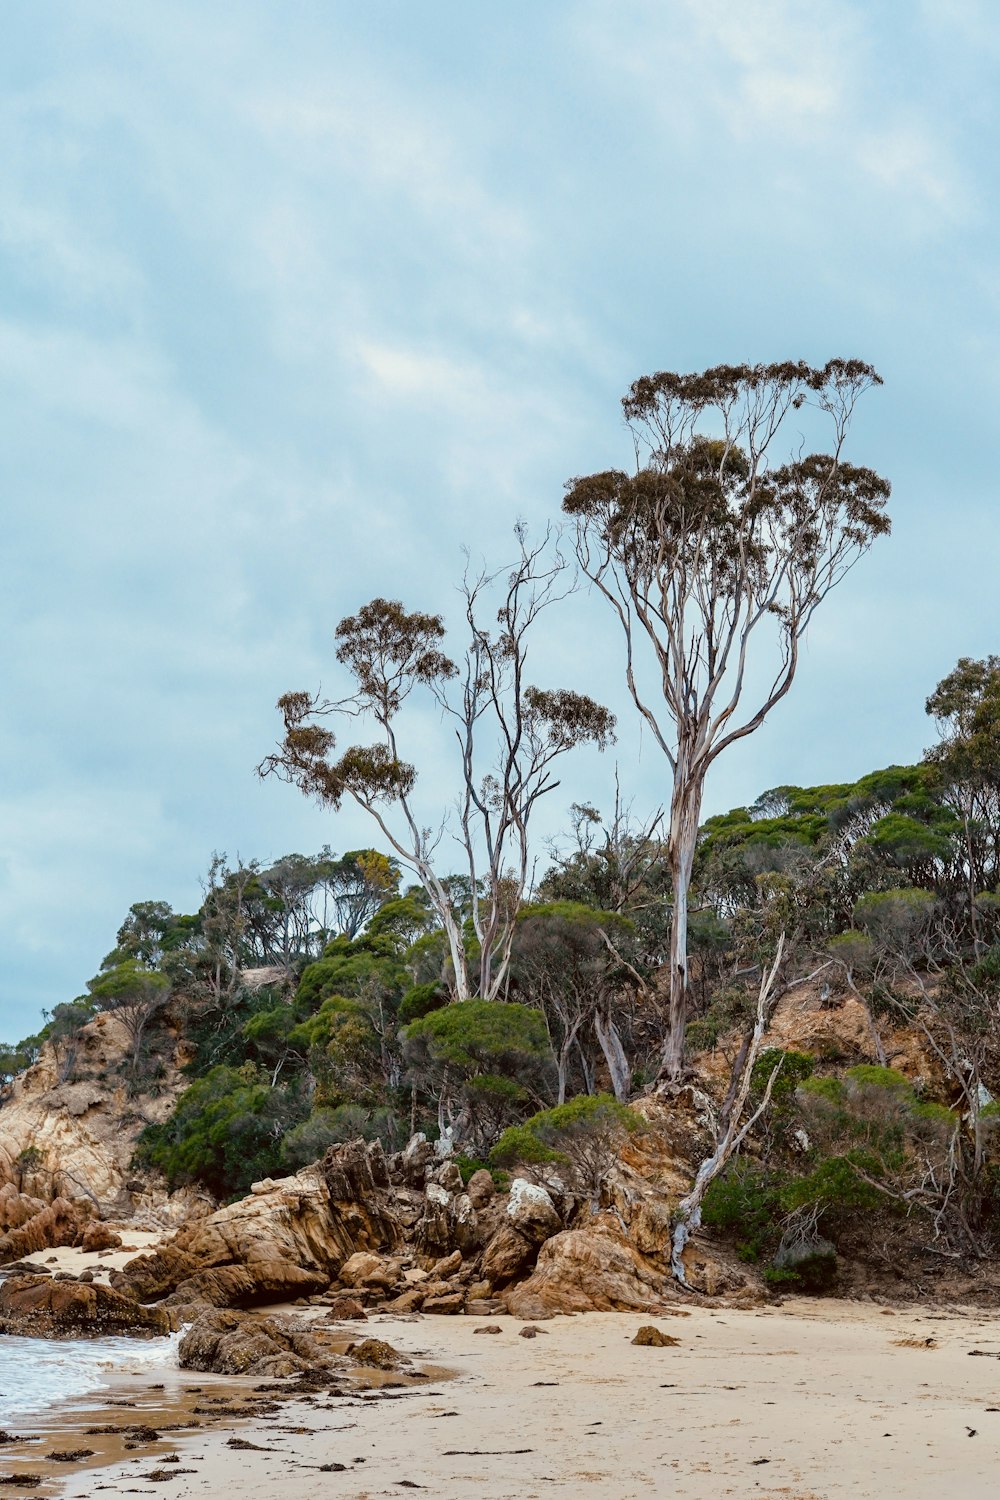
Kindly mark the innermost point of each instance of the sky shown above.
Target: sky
(298, 299)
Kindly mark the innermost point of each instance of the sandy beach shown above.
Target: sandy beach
(806, 1401)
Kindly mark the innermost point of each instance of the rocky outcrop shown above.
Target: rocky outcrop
(40, 1226)
(75, 1139)
(232, 1343)
(287, 1239)
(41, 1307)
(589, 1270)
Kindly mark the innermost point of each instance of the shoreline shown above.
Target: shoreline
(807, 1400)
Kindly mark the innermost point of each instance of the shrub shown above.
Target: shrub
(745, 1201)
(582, 1138)
(420, 1001)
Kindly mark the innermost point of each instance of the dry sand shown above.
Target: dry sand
(806, 1401)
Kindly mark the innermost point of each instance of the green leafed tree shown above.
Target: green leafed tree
(714, 554)
(508, 736)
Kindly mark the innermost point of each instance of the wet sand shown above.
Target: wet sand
(807, 1401)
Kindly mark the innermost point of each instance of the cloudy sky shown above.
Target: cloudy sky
(296, 299)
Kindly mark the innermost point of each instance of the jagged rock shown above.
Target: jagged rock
(507, 1256)
(234, 1343)
(365, 1269)
(415, 1160)
(316, 1221)
(346, 1310)
(377, 1354)
(449, 1221)
(449, 1177)
(42, 1307)
(258, 1282)
(58, 1223)
(652, 1338)
(76, 1140)
(481, 1189)
(98, 1236)
(531, 1211)
(588, 1270)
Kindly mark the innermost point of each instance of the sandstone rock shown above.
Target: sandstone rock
(415, 1160)
(378, 1354)
(41, 1307)
(507, 1256)
(234, 1343)
(61, 1222)
(653, 1338)
(315, 1221)
(445, 1267)
(529, 1331)
(532, 1212)
(588, 1270)
(258, 1282)
(489, 1328)
(406, 1302)
(345, 1309)
(452, 1302)
(482, 1307)
(481, 1188)
(449, 1221)
(98, 1236)
(365, 1269)
(449, 1177)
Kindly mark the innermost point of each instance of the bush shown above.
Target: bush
(420, 1001)
(745, 1202)
(582, 1138)
(225, 1132)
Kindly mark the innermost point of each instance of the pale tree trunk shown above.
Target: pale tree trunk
(681, 847)
(614, 1055)
(731, 1132)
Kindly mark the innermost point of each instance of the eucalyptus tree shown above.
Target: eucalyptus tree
(710, 551)
(508, 735)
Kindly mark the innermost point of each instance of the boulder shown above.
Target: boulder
(345, 1309)
(60, 1222)
(589, 1270)
(367, 1270)
(481, 1189)
(224, 1342)
(449, 1303)
(445, 1267)
(507, 1256)
(406, 1302)
(42, 1307)
(377, 1354)
(98, 1236)
(532, 1212)
(650, 1337)
(258, 1282)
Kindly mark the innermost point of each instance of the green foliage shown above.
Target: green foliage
(868, 1075)
(479, 1036)
(836, 1185)
(582, 1137)
(225, 1132)
(745, 1202)
(420, 1001)
(827, 1088)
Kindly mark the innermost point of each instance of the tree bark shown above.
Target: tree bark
(681, 846)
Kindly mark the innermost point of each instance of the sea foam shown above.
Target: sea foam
(37, 1374)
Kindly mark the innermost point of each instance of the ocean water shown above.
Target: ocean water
(37, 1374)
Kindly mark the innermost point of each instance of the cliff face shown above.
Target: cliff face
(74, 1138)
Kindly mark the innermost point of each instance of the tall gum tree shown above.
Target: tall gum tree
(710, 547)
(507, 734)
